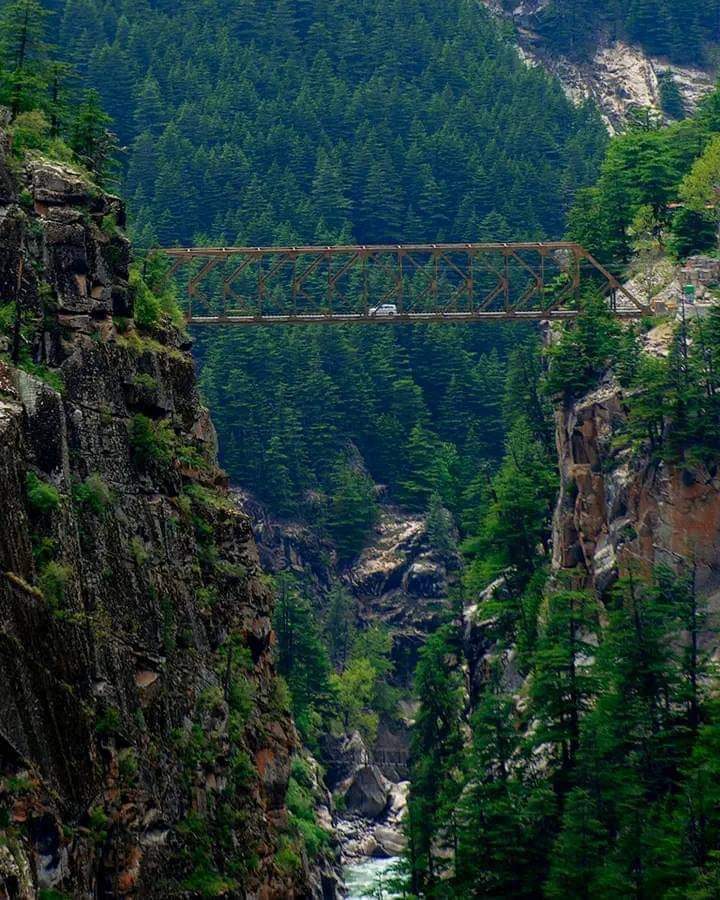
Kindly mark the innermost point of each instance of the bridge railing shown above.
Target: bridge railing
(414, 282)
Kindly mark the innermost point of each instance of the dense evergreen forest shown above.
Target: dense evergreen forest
(273, 122)
(599, 778)
(305, 122)
(259, 123)
(685, 31)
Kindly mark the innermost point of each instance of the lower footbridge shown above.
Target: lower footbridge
(391, 283)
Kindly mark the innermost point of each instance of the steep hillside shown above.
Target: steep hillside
(620, 508)
(615, 56)
(145, 742)
(278, 123)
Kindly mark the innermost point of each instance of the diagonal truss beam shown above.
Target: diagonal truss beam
(423, 282)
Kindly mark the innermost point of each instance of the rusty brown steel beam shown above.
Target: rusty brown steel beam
(457, 288)
(561, 315)
(338, 249)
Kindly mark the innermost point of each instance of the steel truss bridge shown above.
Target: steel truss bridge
(424, 283)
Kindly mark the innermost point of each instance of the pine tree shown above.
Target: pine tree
(301, 657)
(563, 685)
(352, 509)
(440, 527)
(437, 743)
(24, 74)
(90, 138)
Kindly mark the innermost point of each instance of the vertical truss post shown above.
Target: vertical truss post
(506, 280)
(576, 273)
(365, 289)
(471, 282)
(401, 281)
(261, 287)
(294, 284)
(329, 293)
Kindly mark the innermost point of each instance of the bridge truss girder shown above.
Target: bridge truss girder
(425, 282)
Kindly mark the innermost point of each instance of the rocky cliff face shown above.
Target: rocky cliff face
(617, 507)
(617, 76)
(144, 745)
(400, 582)
(617, 510)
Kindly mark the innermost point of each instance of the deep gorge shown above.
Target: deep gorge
(273, 601)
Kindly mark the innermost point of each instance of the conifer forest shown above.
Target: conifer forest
(370, 610)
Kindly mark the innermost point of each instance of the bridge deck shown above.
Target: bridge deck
(423, 283)
(401, 319)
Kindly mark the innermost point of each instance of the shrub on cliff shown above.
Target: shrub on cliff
(584, 349)
(53, 583)
(151, 442)
(145, 304)
(93, 493)
(153, 300)
(42, 497)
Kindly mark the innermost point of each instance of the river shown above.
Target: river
(367, 880)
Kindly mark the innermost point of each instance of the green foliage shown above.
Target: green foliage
(430, 136)
(437, 745)
(98, 822)
(563, 686)
(358, 692)
(513, 531)
(152, 277)
(146, 381)
(671, 100)
(24, 54)
(146, 306)
(7, 317)
(51, 377)
(32, 131)
(340, 625)
(108, 722)
(208, 883)
(93, 493)
(53, 582)
(138, 550)
(625, 801)
(198, 839)
(287, 858)
(647, 172)
(90, 138)
(440, 527)
(355, 687)
(301, 806)
(674, 402)
(151, 442)
(42, 497)
(352, 509)
(128, 765)
(679, 29)
(18, 785)
(302, 659)
(583, 351)
(34, 86)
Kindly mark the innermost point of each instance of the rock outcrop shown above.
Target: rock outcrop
(617, 76)
(373, 805)
(144, 746)
(619, 507)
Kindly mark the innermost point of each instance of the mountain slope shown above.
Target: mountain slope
(601, 53)
(144, 740)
